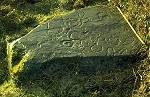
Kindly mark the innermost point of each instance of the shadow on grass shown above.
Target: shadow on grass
(108, 76)
(3, 62)
(41, 7)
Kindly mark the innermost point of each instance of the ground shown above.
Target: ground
(18, 17)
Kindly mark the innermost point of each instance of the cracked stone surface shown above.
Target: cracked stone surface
(84, 42)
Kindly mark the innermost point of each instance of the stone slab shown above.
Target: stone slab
(69, 50)
(91, 39)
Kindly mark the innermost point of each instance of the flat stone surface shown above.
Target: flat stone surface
(93, 31)
(84, 42)
(90, 32)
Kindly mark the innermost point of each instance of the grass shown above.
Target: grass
(18, 17)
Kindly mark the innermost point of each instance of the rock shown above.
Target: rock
(84, 42)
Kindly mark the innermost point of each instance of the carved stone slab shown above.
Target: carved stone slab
(93, 31)
(86, 41)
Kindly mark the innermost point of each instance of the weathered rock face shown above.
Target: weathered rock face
(90, 32)
(86, 41)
